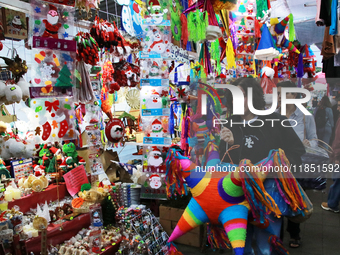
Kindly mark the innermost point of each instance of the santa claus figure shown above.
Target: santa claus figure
(250, 8)
(154, 71)
(52, 25)
(156, 12)
(157, 129)
(155, 101)
(250, 25)
(155, 157)
(155, 181)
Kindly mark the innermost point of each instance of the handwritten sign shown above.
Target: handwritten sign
(74, 179)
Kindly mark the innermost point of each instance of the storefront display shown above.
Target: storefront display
(152, 80)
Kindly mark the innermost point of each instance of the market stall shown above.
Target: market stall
(103, 121)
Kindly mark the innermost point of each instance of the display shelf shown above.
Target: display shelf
(111, 249)
(52, 193)
(143, 144)
(57, 234)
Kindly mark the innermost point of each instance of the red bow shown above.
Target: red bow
(53, 105)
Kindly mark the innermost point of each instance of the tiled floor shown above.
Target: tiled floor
(320, 234)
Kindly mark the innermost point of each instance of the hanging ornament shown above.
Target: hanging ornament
(114, 130)
(176, 26)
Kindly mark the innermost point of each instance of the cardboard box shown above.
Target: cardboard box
(169, 217)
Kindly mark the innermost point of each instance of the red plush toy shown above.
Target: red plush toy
(125, 74)
(114, 130)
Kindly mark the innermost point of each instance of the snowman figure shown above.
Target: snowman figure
(158, 44)
(156, 12)
(157, 129)
(155, 101)
(155, 157)
(155, 181)
(96, 220)
(154, 71)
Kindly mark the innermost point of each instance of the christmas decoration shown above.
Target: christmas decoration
(114, 130)
(64, 79)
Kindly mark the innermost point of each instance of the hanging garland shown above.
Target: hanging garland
(176, 25)
(197, 25)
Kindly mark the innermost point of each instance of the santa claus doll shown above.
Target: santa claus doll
(155, 101)
(155, 157)
(52, 25)
(155, 181)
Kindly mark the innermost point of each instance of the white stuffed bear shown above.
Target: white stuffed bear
(13, 94)
(24, 88)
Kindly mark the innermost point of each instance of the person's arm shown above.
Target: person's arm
(311, 131)
(330, 116)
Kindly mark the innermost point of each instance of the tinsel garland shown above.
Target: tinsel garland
(176, 25)
(261, 6)
(215, 54)
(197, 24)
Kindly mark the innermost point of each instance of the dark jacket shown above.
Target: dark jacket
(336, 142)
(276, 137)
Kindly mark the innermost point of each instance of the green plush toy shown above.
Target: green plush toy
(70, 150)
(3, 170)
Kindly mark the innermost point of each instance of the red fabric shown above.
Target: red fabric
(185, 34)
(223, 46)
(51, 30)
(336, 142)
(55, 236)
(210, 11)
(50, 194)
(267, 85)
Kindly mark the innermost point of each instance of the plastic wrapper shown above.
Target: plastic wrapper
(156, 130)
(156, 43)
(154, 159)
(154, 69)
(157, 13)
(55, 119)
(155, 101)
(52, 20)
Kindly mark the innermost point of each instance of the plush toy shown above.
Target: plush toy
(125, 75)
(3, 170)
(24, 86)
(114, 130)
(69, 149)
(13, 94)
